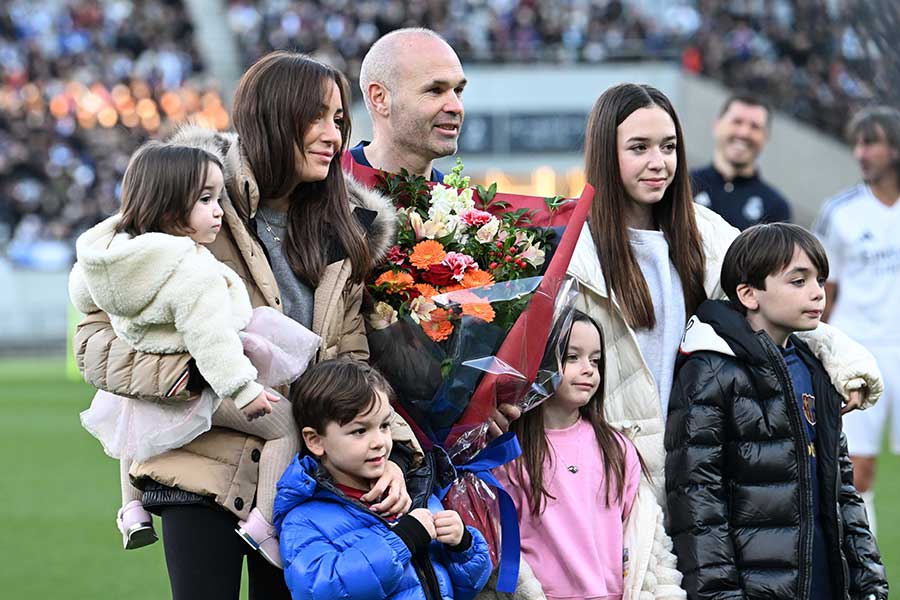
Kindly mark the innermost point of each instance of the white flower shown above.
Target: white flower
(534, 254)
(415, 221)
(383, 317)
(487, 232)
(438, 227)
(443, 200)
(466, 200)
(420, 309)
(450, 201)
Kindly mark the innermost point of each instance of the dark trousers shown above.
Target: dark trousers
(205, 556)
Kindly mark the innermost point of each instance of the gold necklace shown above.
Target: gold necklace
(268, 227)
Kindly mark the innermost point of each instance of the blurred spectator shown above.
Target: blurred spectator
(807, 59)
(82, 84)
(731, 184)
(494, 31)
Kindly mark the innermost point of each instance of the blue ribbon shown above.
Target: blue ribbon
(502, 450)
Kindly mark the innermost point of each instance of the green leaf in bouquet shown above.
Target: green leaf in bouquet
(404, 189)
(446, 367)
(556, 202)
(448, 241)
(486, 197)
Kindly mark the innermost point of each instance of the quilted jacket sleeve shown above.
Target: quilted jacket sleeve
(663, 580)
(868, 579)
(850, 366)
(108, 363)
(370, 569)
(695, 490)
(469, 570)
(353, 340)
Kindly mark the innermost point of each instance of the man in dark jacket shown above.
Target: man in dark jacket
(731, 184)
(758, 483)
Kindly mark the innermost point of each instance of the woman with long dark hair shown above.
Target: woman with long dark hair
(302, 239)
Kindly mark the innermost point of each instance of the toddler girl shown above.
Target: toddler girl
(166, 293)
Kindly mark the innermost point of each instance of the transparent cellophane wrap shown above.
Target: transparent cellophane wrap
(449, 391)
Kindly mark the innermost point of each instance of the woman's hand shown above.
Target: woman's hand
(390, 491)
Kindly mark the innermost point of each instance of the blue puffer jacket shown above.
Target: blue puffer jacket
(335, 548)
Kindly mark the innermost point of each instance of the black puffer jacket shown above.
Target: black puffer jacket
(738, 483)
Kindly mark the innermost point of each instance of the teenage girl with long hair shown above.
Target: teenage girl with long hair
(647, 258)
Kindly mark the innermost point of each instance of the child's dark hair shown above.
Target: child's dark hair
(531, 433)
(160, 186)
(336, 391)
(764, 250)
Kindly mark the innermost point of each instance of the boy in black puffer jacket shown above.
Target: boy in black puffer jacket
(759, 486)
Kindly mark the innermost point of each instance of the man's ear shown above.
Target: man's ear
(313, 442)
(379, 98)
(746, 295)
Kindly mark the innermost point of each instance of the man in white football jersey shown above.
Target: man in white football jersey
(860, 230)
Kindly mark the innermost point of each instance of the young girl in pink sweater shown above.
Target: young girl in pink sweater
(577, 479)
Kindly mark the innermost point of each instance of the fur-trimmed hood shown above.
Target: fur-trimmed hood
(380, 224)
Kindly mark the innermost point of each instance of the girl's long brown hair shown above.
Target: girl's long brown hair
(674, 214)
(531, 433)
(160, 186)
(276, 101)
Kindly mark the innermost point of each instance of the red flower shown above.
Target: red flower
(459, 263)
(397, 256)
(438, 275)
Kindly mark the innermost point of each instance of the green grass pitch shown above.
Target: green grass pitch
(59, 494)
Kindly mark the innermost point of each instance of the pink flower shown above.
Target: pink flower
(475, 218)
(397, 256)
(459, 263)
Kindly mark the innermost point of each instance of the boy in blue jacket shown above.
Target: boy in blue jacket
(332, 544)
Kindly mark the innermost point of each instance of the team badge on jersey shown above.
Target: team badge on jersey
(809, 408)
(754, 209)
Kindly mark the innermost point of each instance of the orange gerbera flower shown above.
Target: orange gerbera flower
(439, 327)
(426, 290)
(396, 282)
(452, 288)
(477, 278)
(482, 311)
(427, 253)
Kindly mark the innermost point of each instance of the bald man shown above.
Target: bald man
(412, 83)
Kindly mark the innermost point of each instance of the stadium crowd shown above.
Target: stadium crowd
(83, 82)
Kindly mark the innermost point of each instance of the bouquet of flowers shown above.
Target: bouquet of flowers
(462, 313)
